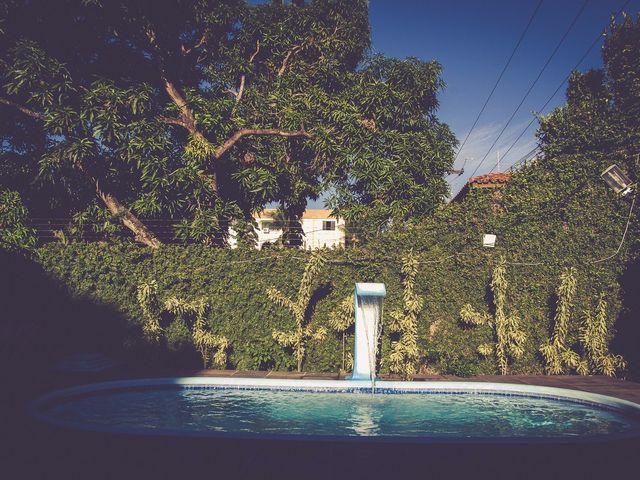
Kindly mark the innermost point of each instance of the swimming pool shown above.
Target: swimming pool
(324, 409)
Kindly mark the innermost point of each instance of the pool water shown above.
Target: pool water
(304, 413)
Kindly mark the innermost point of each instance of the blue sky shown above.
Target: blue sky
(473, 39)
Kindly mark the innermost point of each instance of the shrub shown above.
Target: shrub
(15, 235)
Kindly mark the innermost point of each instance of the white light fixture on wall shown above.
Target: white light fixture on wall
(488, 240)
(617, 180)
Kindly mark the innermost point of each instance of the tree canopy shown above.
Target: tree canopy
(203, 112)
(601, 113)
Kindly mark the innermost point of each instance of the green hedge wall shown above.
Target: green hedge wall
(234, 283)
(551, 215)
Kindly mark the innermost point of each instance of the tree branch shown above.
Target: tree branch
(233, 139)
(187, 117)
(298, 48)
(198, 44)
(287, 57)
(141, 232)
(244, 77)
(171, 121)
(22, 108)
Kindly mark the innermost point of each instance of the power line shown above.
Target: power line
(504, 69)
(555, 92)
(544, 67)
(441, 260)
(527, 156)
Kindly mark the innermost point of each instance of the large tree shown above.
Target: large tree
(602, 108)
(598, 126)
(396, 152)
(207, 111)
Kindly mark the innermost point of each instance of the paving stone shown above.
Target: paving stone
(614, 387)
(274, 374)
(250, 373)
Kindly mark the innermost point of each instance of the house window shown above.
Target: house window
(266, 227)
(328, 225)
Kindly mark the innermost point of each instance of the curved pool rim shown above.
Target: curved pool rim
(624, 407)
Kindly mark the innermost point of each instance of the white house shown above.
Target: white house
(320, 229)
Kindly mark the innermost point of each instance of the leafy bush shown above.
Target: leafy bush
(15, 235)
(454, 270)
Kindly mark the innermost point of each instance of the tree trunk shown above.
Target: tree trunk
(292, 231)
(141, 232)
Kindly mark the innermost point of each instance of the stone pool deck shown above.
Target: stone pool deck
(624, 389)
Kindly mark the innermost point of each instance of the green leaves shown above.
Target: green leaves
(509, 336)
(302, 332)
(404, 322)
(193, 314)
(15, 234)
(36, 77)
(153, 132)
(593, 336)
(343, 317)
(594, 340)
(396, 152)
(470, 316)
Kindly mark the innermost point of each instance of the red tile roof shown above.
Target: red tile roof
(490, 178)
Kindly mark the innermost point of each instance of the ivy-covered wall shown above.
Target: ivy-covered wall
(235, 283)
(552, 215)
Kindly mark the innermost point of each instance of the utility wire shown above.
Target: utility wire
(522, 159)
(624, 234)
(555, 92)
(544, 67)
(504, 69)
(386, 260)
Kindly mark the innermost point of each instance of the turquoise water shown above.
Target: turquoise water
(265, 412)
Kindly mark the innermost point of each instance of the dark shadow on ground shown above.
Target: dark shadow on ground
(40, 322)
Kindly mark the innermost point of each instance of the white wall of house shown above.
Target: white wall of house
(322, 232)
(319, 229)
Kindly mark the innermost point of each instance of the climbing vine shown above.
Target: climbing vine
(212, 348)
(508, 334)
(147, 296)
(403, 323)
(341, 320)
(558, 356)
(594, 341)
(302, 332)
